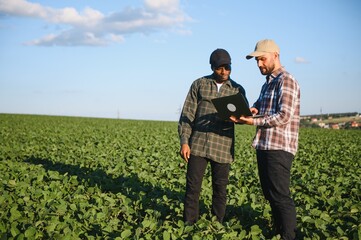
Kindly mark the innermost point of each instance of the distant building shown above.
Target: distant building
(355, 124)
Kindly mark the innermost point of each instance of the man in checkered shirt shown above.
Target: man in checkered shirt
(276, 139)
(205, 138)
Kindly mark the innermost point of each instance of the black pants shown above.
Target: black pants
(274, 173)
(195, 172)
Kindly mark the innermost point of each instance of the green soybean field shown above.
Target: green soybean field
(93, 178)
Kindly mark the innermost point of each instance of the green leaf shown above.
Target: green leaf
(255, 230)
(51, 227)
(126, 233)
(307, 219)
(73, 207)
(100, 216)
(166, 235)
(14, 230)
(15, 214)
(242, 235)
(11, 183)
(354, 210)
(30, 232)
(146, 223)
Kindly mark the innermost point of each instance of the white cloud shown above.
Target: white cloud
(301, 60)
(88, 18)
(70, 38)
(116, 38)
(22, 8)
(167, 6)
(91, 27)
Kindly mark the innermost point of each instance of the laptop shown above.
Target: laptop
(233, 105)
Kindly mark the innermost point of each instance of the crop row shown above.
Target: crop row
(84, 178)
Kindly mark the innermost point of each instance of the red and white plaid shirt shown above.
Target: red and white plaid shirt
(279, 102)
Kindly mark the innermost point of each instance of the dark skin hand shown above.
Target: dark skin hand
(185, 152)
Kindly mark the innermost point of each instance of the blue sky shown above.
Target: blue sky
(137, 59)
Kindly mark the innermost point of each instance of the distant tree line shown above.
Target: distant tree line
(334, 115)
(308, 124)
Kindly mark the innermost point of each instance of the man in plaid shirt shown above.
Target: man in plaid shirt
(276, 139)
(204, 137)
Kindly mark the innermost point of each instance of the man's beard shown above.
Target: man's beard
(267, 71)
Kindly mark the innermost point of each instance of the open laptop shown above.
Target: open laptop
(233, 105)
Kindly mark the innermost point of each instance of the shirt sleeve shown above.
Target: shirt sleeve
(286, 103)
(188, 114)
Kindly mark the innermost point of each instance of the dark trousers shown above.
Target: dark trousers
(195, 172)
(274, 173)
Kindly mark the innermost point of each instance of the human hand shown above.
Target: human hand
(185, 152)
(253, 110)
(242, 120)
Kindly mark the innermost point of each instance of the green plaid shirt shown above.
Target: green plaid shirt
(199, 126)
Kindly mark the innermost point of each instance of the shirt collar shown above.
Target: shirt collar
(275, 74)
(228, 82)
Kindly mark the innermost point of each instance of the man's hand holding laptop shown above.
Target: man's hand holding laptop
(245, 119)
